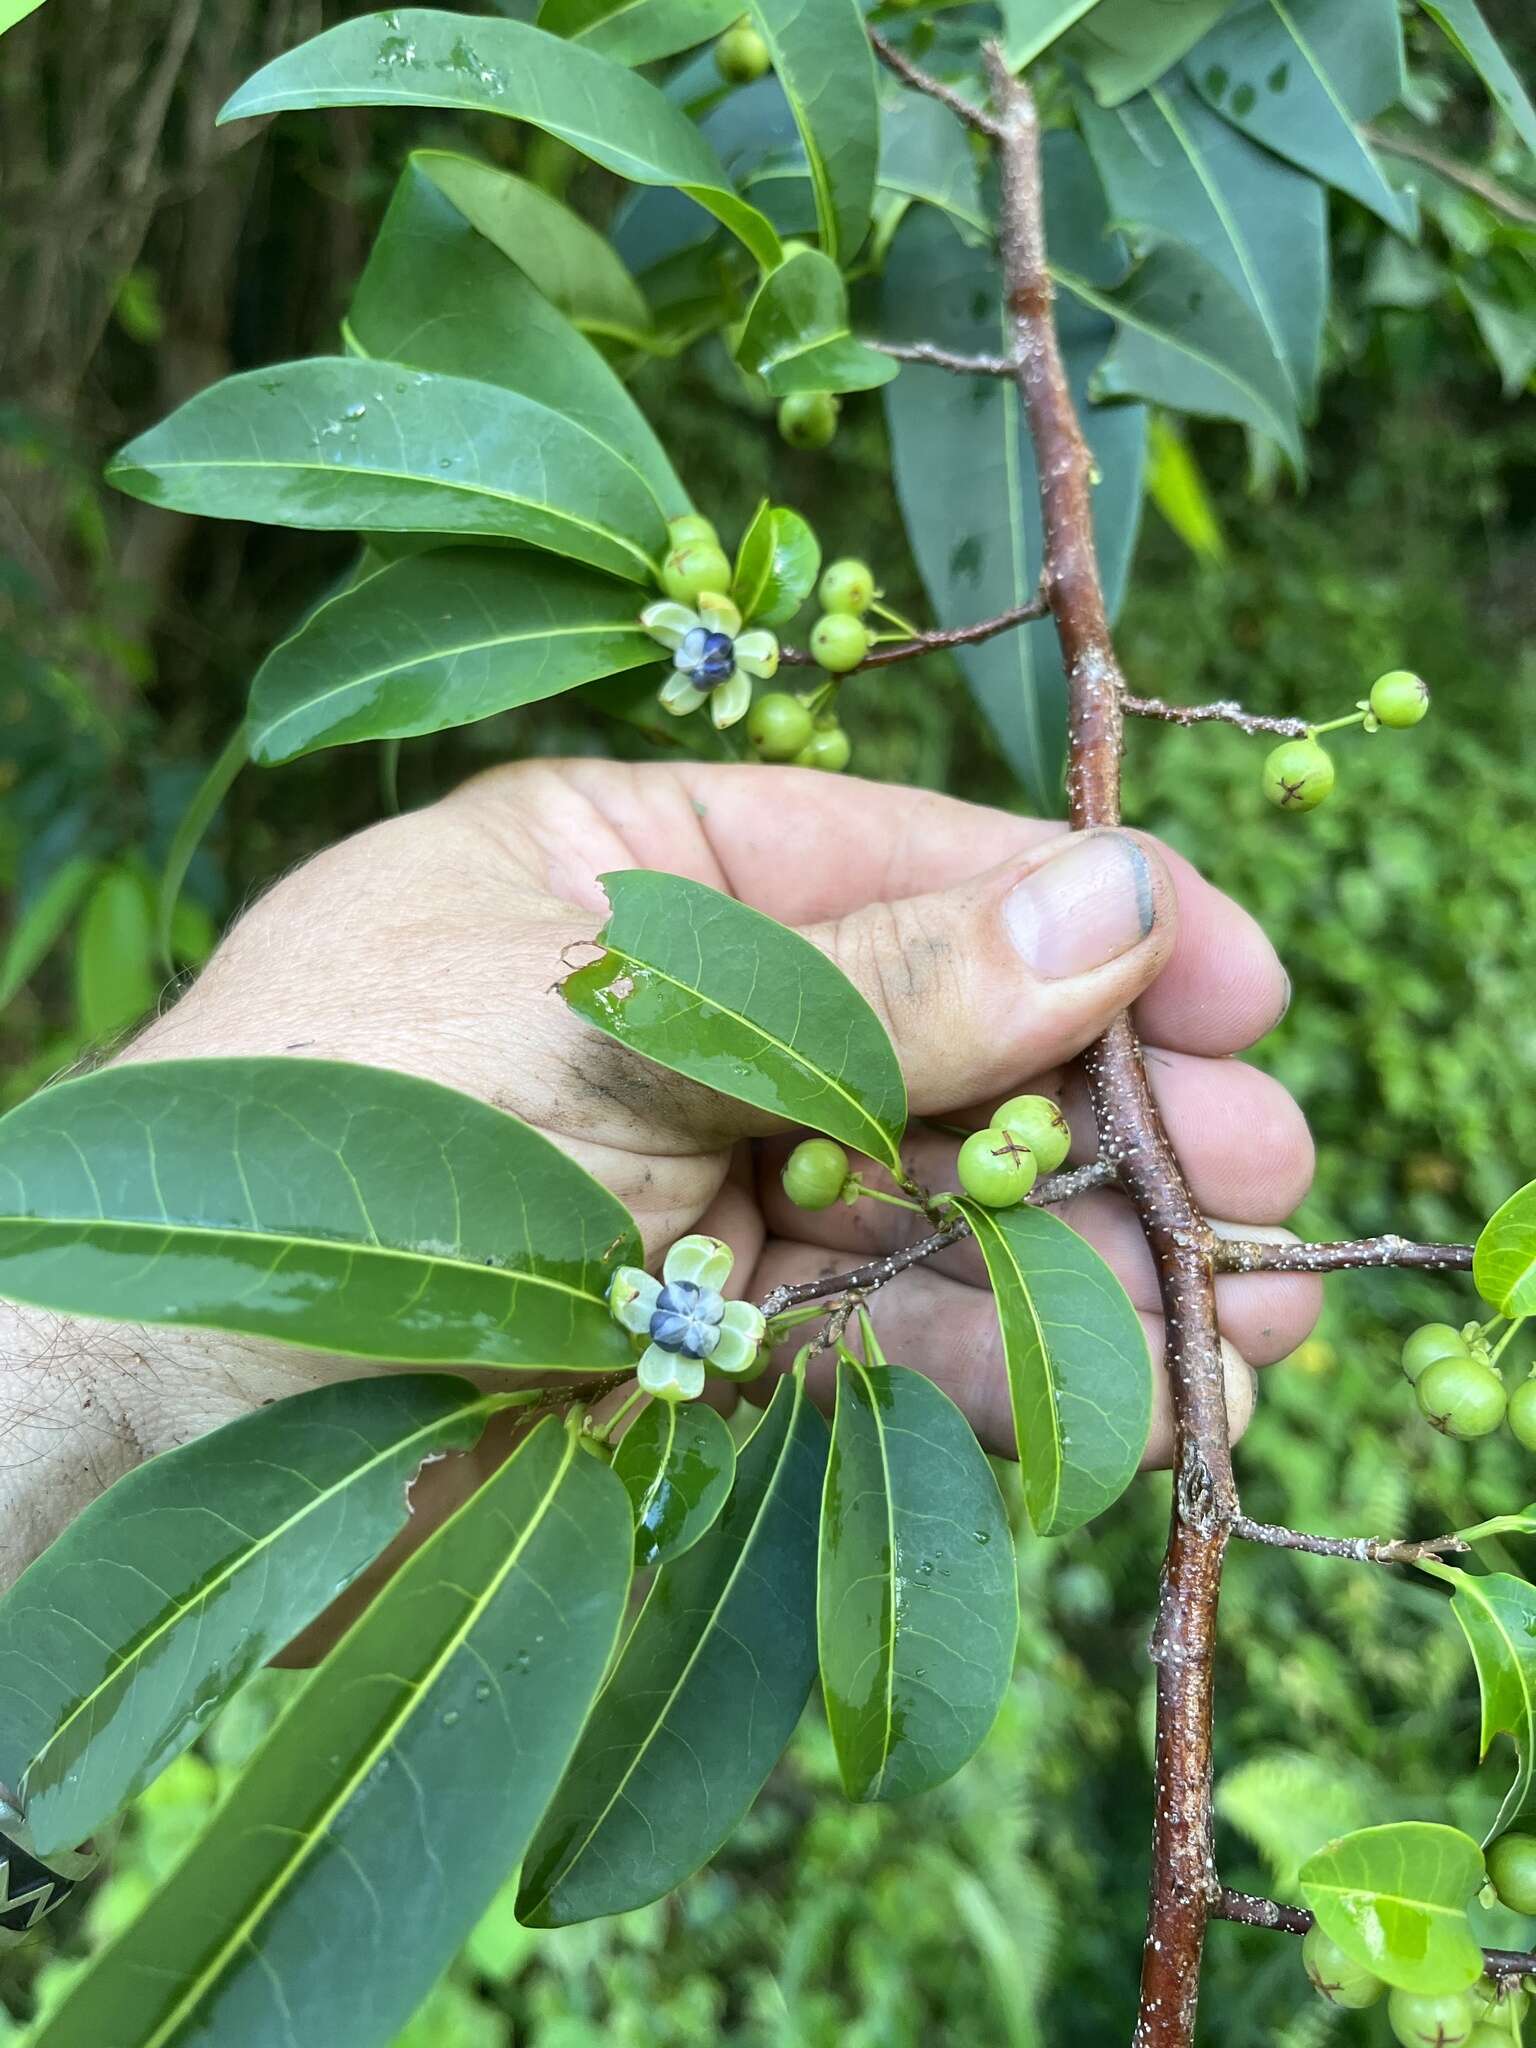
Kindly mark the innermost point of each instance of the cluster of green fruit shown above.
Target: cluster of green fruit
(1298, 774)
(741, 55)
(1027, 1136)
(1479, 2018)
(804, 730)
(1459, 1387)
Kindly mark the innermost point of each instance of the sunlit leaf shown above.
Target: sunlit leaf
(705, 1696)
(347, 1208)
(677, 1462)
(125, 1637)
(777, 564)
(1395, 1899)
(797, 338)
(416, 57)
(1504, 1258)
(1079, 1372)
(1497, 1613)
(371, 446)
(698, 982)
(1177, 488)
(424, 1748)
(440, 640)
(918, 1599)
(116, 980)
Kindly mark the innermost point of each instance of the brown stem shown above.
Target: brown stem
(1183, 1881)
(1360, 1549)
(1242, 1255)
(1248, 1911)
(1455, 173)
(944, 359)
(1226, 712)
(1035, 607)
(922, 81)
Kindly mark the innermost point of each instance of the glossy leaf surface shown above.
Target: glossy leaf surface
(348, 1208)
(676, 1461)
(704, 1697)
(826, 69)
(965, 468)
(777, 565)
(378, 447)
(1172, 167)
(1030, 26)
(698, 982)
(638, 31)
(917, 1605)
(439, 295)
(797, 337)
(381, 1815)
(1497, 1614)
(1395, 1898)
(116, 978)
(1300, 76)
(417, 57)
(440, 640)
(1463, 22)
(1504, 1259)
(158, 1602)
(1123, 45)
(1079, 1372)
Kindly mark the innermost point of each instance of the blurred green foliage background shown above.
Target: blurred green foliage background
(143, 253)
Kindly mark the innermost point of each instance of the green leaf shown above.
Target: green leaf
(1504, 1259)
(347, 1208)
(926, 154)
(1395, 1899)
(638, 31)
(1079, 1372)
(437, 294)
(965, 466)
(441, 640)
(677, 1463)
(1188, 340)
(190, 833)
(1123, 45)
(823, 62)
(797, 338)
(1300, 76)
(1508, 331)
(918, 1608)
(575, 267)
(377, 1821)
(1462, 21)
(1497, 1613)
(416, 57)
(704, 1697)
(1176, 486)
(777, 564)
(1171, 166)
(43, 922)
(699, 983)
(115, 981)
(1030, 26)
(377, 447)
(124, 1638)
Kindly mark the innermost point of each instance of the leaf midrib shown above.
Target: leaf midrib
(888, 1736)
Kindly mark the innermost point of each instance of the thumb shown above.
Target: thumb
(983, 984)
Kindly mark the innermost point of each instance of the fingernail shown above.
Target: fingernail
(1084, 907)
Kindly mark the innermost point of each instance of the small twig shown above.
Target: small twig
(1037, 607)
(922, 81)
(1226, 712)
(943, 358)
(1248, 1911)
(1447, 167)
(1359, 1549)
(1245, 1255)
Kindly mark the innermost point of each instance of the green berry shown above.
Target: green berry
(1431, 2022)
(1298, 774)
(778, 726)
(808, 419)
(839, 642)
(846, 587)
(1428, 1344)
(741, 55)
(692, 526)
(1336, 1976)
(1512, 1871)
(1037, 1122)
(995, 1169)
(1461, 1397)
(814, 1173)
(1522, 1414)
(1399, 698)
(691, 570)
(830, 749)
